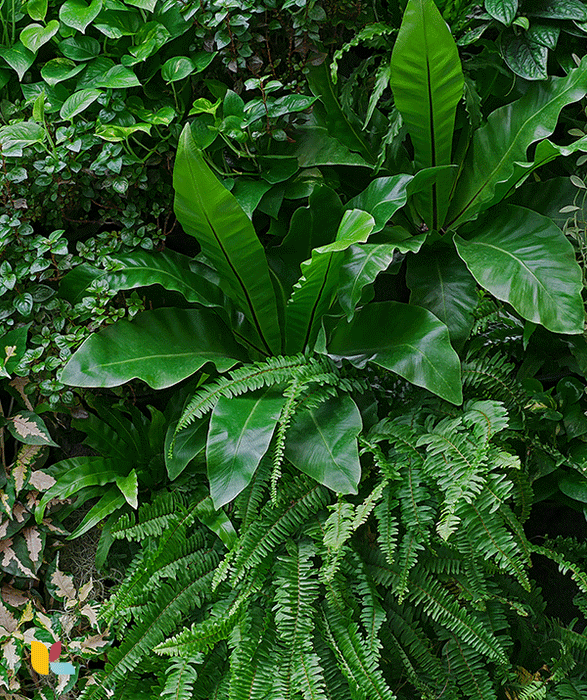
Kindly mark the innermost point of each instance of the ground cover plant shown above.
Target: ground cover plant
(329, 417)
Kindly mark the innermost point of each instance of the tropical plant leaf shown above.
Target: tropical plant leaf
(440, 282)
(161, 347)
(427, 83)
(240, 431)
(509, 131)
(407, 340)
(207, 211)
(314, 293)
(322, 442)
(382, 198)
(523, 258)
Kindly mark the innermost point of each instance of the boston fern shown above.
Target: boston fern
(418, 586)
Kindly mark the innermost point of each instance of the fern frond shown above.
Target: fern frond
(181, 676)
(256, 375)
(355, 659)
(564, 565)
(440, 606)
(493, 376)
(203, 635)
(153, 519)
(490, 538)
(470, 670)
(277, 523)
(370, 31)
(168, 608)
(388, 524)
(247, 503)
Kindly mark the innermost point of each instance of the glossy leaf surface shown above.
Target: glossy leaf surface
(322, 442)
(140, 269)
(505, 138)
(407, 340)
(108, 503)
(523, 258)
(341, 124)
(76, 474)
(161, 347)
(189, 442)
(382, 198)
(502, 10)
(440, 282)
(362, 264)
(207, 211)
(241, 429)
(427, 83)
(314, 292)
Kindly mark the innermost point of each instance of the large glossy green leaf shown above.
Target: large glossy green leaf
(314, 292)
(545, 152)
(216, 520)
(108, 503)
(523, 258)
(341, 123)
(207, 211)
(76, 14)
(241, 429)
(505, 138)
(382, 198)
(161, 347)
(557, 9)
(140, 269)
(440, 282)
(427, 83)
(502, 10)
(310, 227)
(35, 35)
(407, 340)
(315, 146)
(189, 442)
(76, 474)
(525, 57)
(322, 442)
(362, 264)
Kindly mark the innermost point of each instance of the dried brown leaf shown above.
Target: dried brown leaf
(9, 555)
(8, 623)
(64, 584)
(13, 596)
(41, 481)
(33, 541)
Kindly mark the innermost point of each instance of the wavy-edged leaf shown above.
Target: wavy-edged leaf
(407, 340)
(322, 442)
(523, 258)
(141, 269)
(161, 347)
(362, 264)
(382, 198)
(240, 431)
(207, 211)
(509, 131)
(427, 83)
(112, 500)
(76, 474)
(314, 293)
(440, 282)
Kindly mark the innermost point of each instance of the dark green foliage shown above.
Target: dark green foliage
(418, 585)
